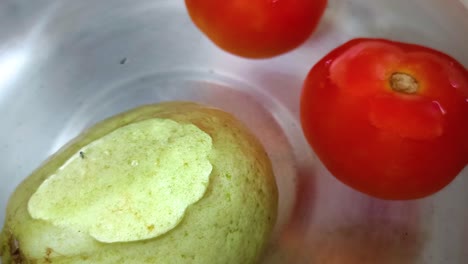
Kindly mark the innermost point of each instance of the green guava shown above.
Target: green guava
(175, 182)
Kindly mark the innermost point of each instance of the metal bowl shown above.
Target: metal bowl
(65, 65)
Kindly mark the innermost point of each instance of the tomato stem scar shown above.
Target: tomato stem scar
(404, 83)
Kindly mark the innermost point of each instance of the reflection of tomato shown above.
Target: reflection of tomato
(256, 28)
(389, 119)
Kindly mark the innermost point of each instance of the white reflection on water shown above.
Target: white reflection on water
(11, 63)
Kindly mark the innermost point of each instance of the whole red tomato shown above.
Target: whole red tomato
(389, 119)
(256, 28)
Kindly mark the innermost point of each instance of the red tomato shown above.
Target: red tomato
(256, 28)
(389, 119)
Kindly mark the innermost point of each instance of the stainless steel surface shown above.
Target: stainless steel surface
(67, 64)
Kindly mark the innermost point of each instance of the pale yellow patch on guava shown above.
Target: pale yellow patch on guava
(132, 184)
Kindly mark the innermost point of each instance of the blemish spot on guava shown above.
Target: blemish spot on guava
(15, 251)
(106, 194)
(47, 255)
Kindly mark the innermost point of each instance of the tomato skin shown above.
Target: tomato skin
(256, 28)
(383, 142)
